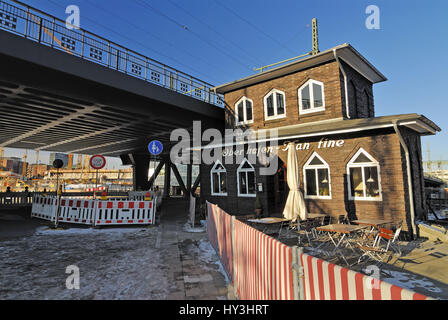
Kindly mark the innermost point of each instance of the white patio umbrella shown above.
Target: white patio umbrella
(295, 204)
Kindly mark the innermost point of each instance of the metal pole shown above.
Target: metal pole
(58, 197)
(96, 185)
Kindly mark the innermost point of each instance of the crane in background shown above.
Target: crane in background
(429, 164)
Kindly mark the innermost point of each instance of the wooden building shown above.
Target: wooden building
(350, 160)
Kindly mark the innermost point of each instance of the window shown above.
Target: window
(243, 111)
(311, 97)
(364, 177)
(246, 179)
(316, 174)
(218, 177)
(274, 105)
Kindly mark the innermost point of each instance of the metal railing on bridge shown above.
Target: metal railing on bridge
(33, 24)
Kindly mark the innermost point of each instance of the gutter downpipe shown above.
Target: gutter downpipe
(408, 171)
(345, 84)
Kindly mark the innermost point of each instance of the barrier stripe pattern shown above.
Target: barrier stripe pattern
(262, 265)
(327, 281)
(219, 227)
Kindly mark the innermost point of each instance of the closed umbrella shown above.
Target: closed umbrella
(295, 204)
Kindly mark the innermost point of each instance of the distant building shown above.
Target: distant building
(37, 170)
(13, 164)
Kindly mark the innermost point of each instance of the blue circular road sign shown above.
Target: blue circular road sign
(155, 147)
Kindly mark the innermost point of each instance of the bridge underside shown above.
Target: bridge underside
(52, 101)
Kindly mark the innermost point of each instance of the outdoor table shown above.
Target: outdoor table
(341, 229)
(373, 223)
(270, 221)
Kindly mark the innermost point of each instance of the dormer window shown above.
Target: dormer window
(218, 179)
(244, 111)
(311, 97)
(274, 105)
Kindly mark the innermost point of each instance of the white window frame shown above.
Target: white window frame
(265, 105)
(245, 171)
(373, 163)
(218, 171)
(307, 166)
(244, 100)
(312, 109)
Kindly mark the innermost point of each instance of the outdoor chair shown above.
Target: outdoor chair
(385, 241)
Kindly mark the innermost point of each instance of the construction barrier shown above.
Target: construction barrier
(326, 281)
(44, 207)
(124, 212)
(78, 211)
(262, 268)
(220, 224)
(94, 212)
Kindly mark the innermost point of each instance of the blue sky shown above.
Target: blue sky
(220, 41)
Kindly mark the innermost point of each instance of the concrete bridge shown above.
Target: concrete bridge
(73, 91)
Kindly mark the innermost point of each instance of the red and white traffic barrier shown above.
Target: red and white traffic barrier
(44, 207)
(77, 211)
(94, 212)
(327, 281)
(124, 212)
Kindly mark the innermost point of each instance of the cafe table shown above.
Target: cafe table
(344, 231)
(373, 223)
(269, 222)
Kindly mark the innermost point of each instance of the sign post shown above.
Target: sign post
(58, 163)
(97, 162)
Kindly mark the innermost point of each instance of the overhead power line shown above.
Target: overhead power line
(141, 44)
(254, 26)
(155, 36)
(221, 50)
(215, 31)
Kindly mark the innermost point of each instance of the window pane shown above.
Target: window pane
(240, 112)
(246, 165)
(372, 184)
(248, 110)
(306, 98)
(362, 158)
(310, 175)
(270, 105)
(324, 182)
(243, 182)
(251, 182)
(316, 161)
(222, 176)
(215, 183)
(280, 104)
(317, 92)
(356, 182)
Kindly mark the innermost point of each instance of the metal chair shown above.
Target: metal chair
(377, 251)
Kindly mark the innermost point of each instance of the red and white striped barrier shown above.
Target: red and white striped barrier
(124, 212)
(94, 212)
(96, 189)
(219, 227)
(44, 207)
(77, 211)
(327, 281)
(263, 266)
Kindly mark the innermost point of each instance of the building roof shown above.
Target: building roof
(344, 52)
(413, 121)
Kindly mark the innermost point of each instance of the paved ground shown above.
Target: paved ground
(157, 262)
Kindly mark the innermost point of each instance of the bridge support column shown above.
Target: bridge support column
(140, 175)
(167, 184)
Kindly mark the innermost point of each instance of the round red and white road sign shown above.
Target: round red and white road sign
(97, 162)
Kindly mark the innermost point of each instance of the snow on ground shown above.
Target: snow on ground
(114, 263)
(409, 281)
(207, 254)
